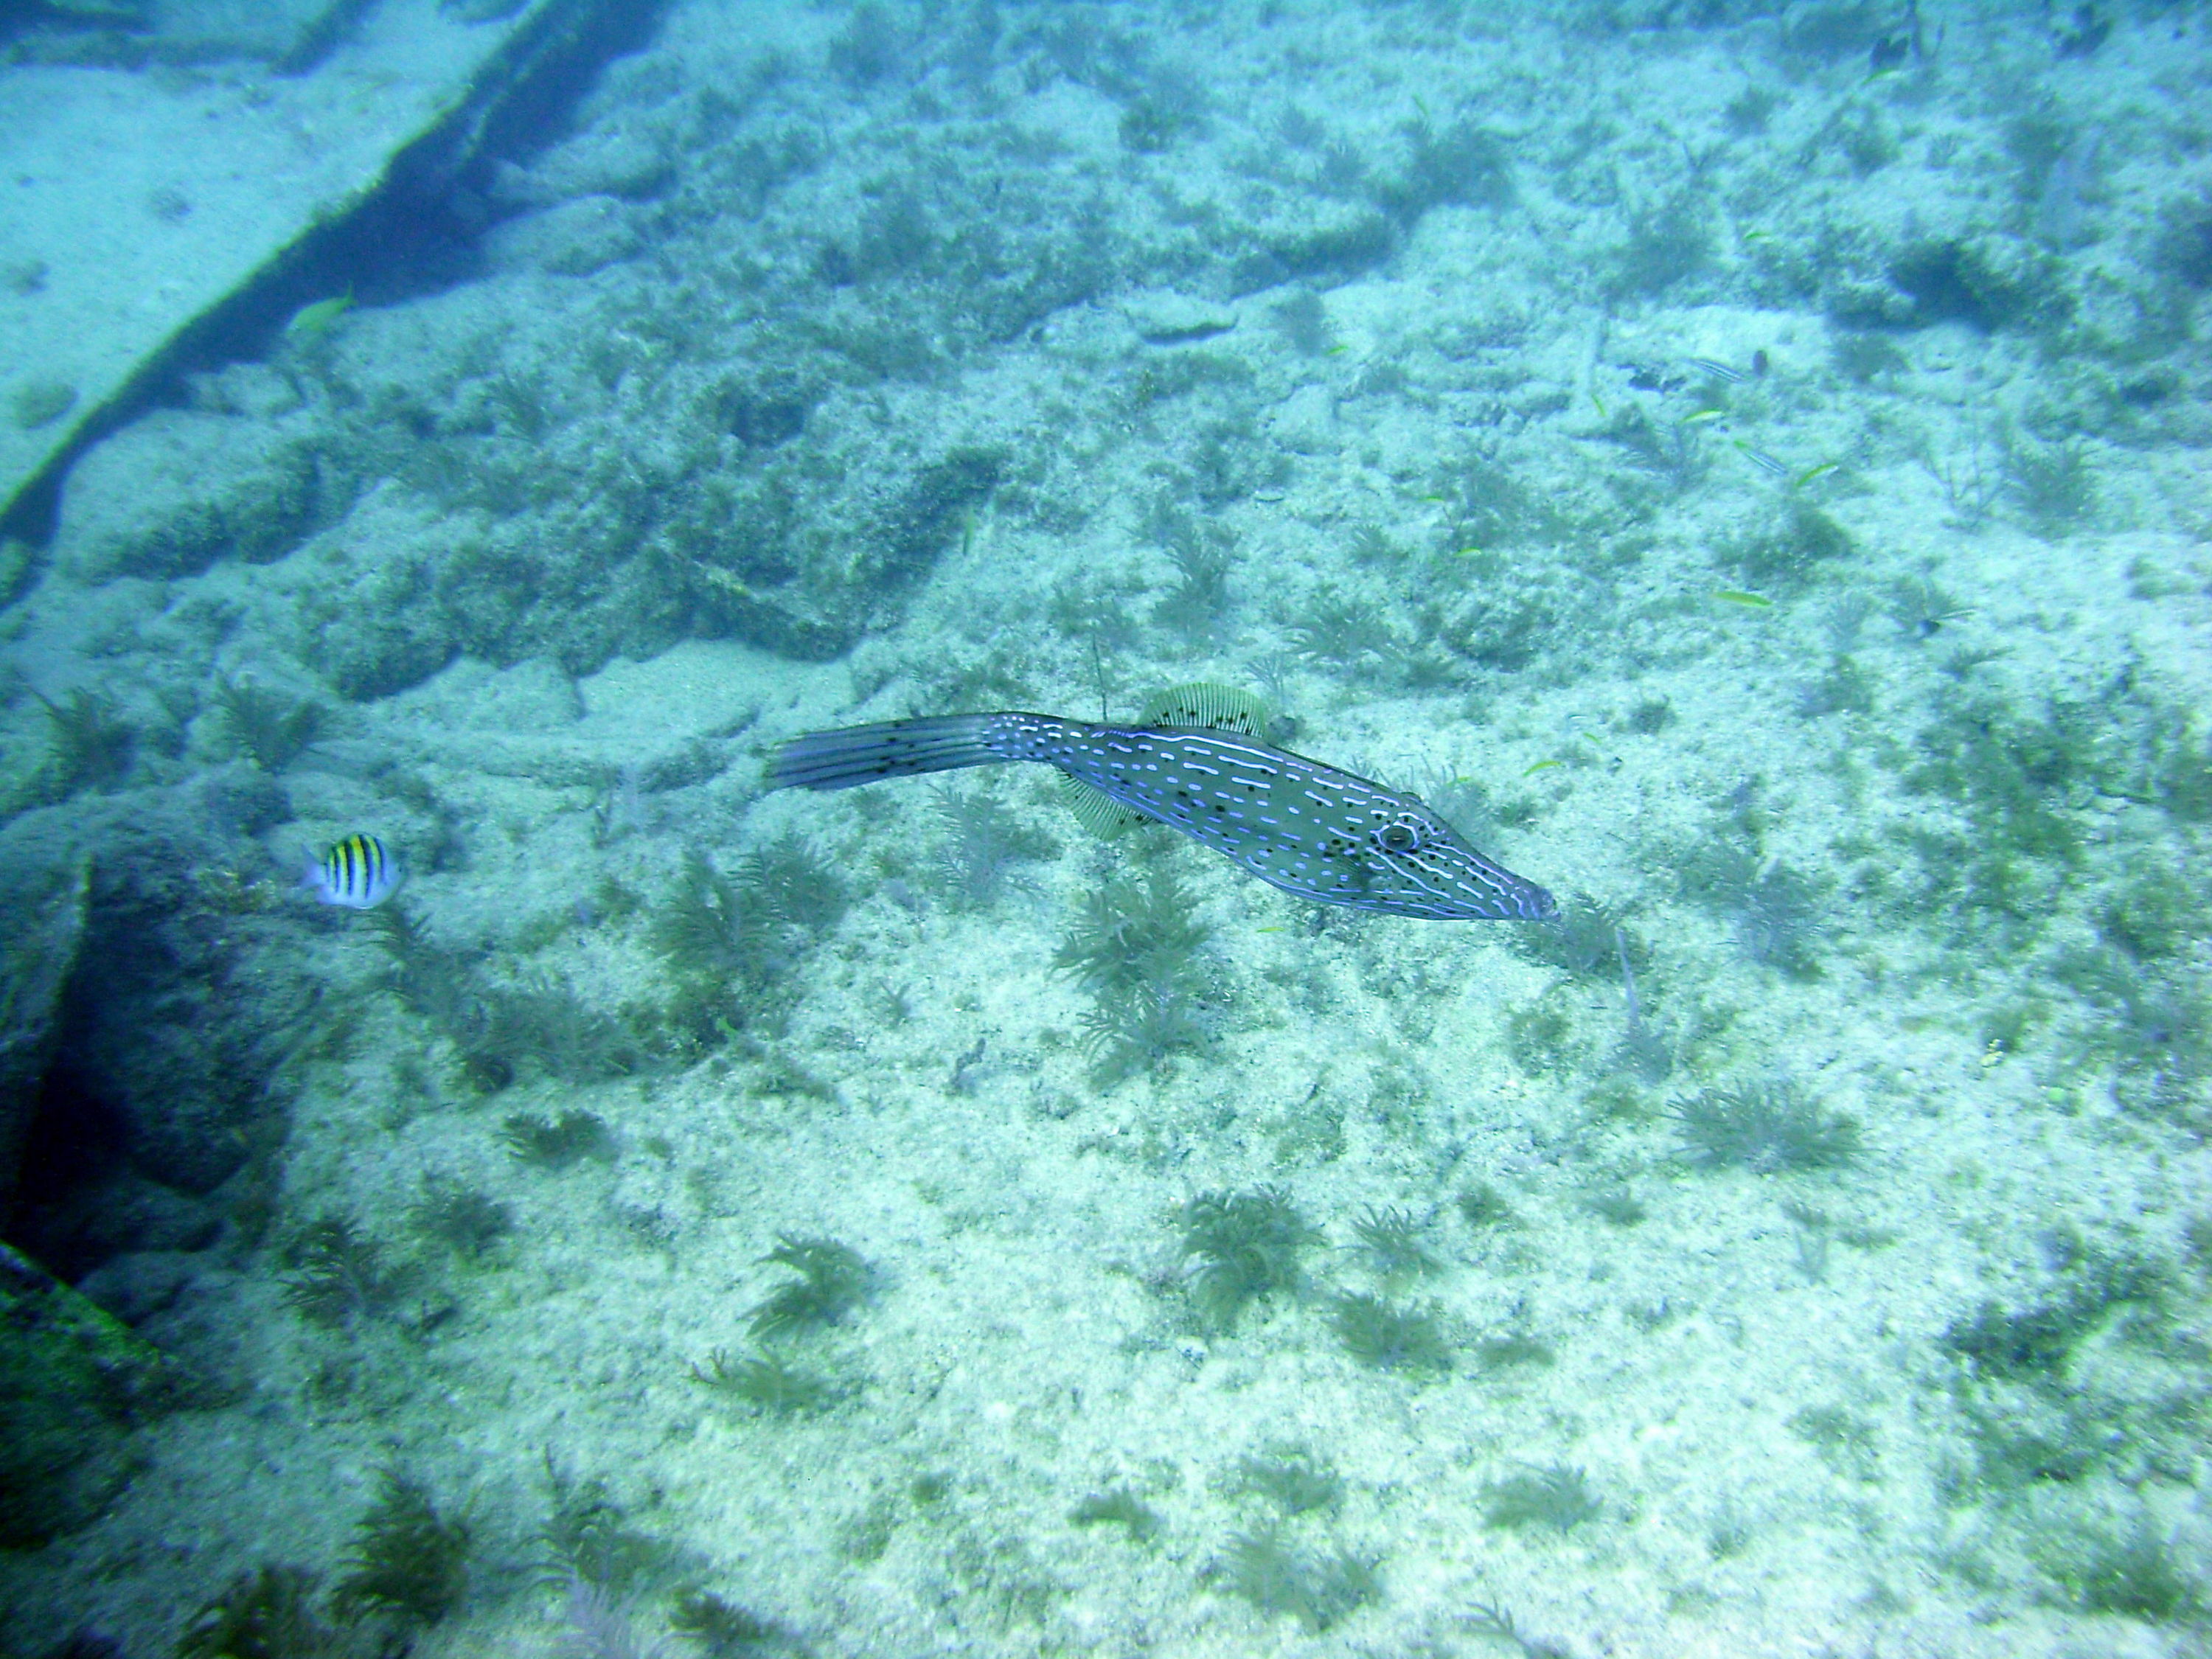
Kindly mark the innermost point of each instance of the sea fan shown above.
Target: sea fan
(599, 1627)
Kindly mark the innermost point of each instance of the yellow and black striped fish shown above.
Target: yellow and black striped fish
(357, 873)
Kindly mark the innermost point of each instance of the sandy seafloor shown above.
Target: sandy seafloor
(1863, 693)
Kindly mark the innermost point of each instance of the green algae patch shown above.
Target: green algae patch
(73, 1382)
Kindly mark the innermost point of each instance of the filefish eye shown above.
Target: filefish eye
(1400, 838)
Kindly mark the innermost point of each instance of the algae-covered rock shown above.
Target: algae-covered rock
(73, 1384)
(173, 493)
(792, 573)
(46, 915)
(290, 34)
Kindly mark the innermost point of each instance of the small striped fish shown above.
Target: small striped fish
(1308, 828)
(358, 874)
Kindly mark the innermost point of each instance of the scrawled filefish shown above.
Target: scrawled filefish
(358, 874)
(1306, 828)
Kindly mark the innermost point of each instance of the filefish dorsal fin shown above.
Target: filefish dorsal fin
(1196, 707)
(1199, 707)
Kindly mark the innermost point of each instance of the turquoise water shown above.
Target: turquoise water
(1742, 464)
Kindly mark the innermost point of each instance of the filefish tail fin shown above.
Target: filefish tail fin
(891, 749)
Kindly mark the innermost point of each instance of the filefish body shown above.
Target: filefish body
(1306, 828)
(356, 874)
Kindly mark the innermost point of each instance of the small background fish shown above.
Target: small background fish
(357, 873)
